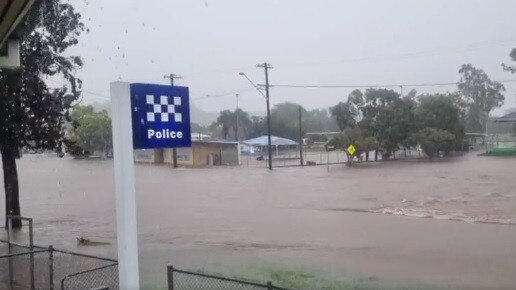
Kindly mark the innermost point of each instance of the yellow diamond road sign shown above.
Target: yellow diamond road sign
(351, 149)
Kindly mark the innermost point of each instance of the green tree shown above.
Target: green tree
(31, 114)
(481, 96)
(386, 120)
(366, 144)
(439, 111)
(319, 120)
(345, 114)
(285, 120)
(394, 124)
(349, 136)
(90, 130)
(242, 124)
(374, 101)
(512, 69)
(227, 121)
(258, 127)
(434, 140)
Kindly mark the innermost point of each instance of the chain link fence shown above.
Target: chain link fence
(319, 156)
(104, 277)
(79, 271)
(291, 158)
(49, 268)
(25, 270)
(28, 266)
(187, 280)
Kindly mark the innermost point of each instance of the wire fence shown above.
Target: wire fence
(26, 270)
(79, 271)
(183, 280)
(289, 158)
(319, 156)
(104, 277)
(49, 268)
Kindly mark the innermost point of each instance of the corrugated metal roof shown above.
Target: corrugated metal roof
(213, 142)
(263, 141)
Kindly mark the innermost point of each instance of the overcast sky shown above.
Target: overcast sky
(331, 42)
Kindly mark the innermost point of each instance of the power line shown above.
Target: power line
(376, 85)
(95, 94)
(231, 93)
(193, 99)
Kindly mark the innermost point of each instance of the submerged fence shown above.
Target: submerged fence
(51, 268)
(188, 280)
(292, 158)
(289, 158)
(35, 267)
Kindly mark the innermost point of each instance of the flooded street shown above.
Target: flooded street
(448, 223)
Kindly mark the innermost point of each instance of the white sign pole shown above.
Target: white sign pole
(127, 238)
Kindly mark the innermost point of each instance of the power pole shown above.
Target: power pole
(300, 139)
(174, 151)
(236, 114)
(266, 68)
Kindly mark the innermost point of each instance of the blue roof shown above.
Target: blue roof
(263, 141)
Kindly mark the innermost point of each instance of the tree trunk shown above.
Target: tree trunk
(376, 155)
(367, 155)
(350, 159)
(12, 200)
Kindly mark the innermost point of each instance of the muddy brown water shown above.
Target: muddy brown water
(448, 223)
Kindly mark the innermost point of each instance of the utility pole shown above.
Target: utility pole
(236, 114)
(266, 68)
(174, 151)
(300, 139)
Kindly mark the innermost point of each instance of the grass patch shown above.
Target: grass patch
(295, 277)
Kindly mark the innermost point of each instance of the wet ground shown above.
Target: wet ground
(448, 223)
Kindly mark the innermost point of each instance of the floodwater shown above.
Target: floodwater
(450, 223)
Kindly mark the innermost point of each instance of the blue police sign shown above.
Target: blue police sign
(160, 116)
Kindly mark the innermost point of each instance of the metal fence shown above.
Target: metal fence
(181, 279)
(51, 268)
(26, 270)
(104, 277)
(317, 156)
(289, 158)
(35, 267)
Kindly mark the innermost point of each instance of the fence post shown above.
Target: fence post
(328, 160)
(9, 236)
(269, 285)
(51, 267)
(31, 247)
(31, 235)
(170, 277)
(9, 231)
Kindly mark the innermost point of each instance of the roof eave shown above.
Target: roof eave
(13, 24)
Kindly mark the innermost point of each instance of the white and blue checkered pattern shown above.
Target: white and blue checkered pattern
(165, 108)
